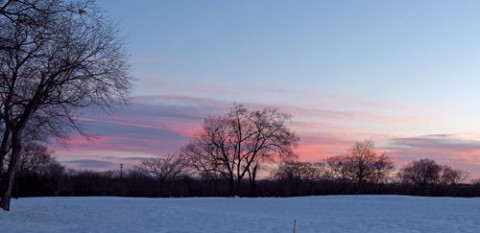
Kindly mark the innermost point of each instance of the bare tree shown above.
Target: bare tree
(232, 144)
(300, 171)
(421, 173)
(382, 169)
(363, 164)
(36, 160)
(56, 57)
(164, 169)
(336, 171)
(360, 162)
(453, 176)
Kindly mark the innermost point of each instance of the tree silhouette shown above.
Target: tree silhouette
(57, 57)
(232, 144)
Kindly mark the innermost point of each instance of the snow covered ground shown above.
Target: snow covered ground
(343, 214)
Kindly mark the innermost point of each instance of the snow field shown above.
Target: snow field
(329, 214)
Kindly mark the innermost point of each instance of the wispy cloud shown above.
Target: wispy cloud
(444, 148)
(90, 164)
(155, 125)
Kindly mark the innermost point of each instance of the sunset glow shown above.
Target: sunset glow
(403, 76)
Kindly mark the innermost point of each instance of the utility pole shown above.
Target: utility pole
(121, 170)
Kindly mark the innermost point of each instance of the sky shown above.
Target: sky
(405, 74)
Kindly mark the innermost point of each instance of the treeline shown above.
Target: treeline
(246, 153)
(360, 171)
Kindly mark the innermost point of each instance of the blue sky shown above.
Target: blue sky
(346, 71)
(425, 53)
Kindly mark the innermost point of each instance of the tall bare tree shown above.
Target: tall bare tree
(362, 164)
(232, 144)
(56, 57)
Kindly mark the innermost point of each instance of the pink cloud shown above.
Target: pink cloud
(84, 119)
(139, 125)
(179, 126)
(155, 125)
(115, 146)
(445, 149)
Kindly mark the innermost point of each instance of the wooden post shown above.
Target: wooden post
(295, 226)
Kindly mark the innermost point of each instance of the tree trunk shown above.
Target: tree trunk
(7, 195)
(231, 186)
(3, 153)
(360, 184)
(238, 186)
(252, 180)
(252, 185)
